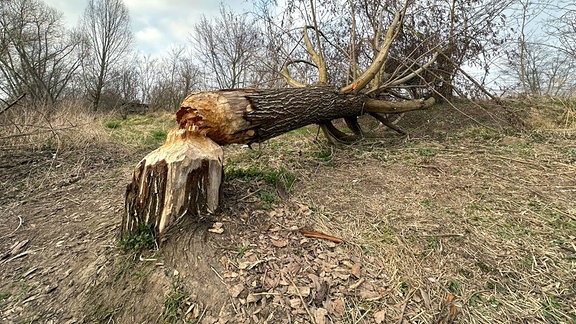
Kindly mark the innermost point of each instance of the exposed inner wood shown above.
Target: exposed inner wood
(182, 178)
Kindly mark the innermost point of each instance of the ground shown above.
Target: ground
(470, 218)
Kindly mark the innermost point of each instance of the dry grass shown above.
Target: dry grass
(68, 125)
(456, 221)
(453, 222)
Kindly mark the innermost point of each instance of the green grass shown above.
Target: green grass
(173, 303)
(279, 178)
(4, 296)
(142, 238)
(112, 124)
(142, 131)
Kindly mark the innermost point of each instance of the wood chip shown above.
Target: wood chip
(320, 315)
(279, 244)
(235, 291)
(355, 271)
(295, 303)
(356, 284)
(379, 316)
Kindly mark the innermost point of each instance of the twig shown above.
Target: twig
(318, 235)
(19, 224)
(219, 276)
(401, 319)
(250, 194)
(13, 103)
(312, 319)
(443, 235)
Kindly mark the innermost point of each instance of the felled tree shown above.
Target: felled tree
(183, 178)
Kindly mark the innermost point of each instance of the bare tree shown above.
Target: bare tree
(541, 60)
(106, 27)
(228, 47)
(38, 56)
(176, 77)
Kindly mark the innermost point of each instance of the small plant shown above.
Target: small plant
(174, 301)
(112, 124)
(4, 296)
(426, 202)
(454, 287)
(433, 243)
(426, 152)
(143, 238)
(159, 135)
(241, 251)
(268, 198)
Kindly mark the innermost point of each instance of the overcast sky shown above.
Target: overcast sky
(157, 24)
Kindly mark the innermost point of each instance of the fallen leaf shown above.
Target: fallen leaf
(266, 228)
(356, 271)
(235, 291)
(379, 316)
(368, 294)
(251, 298)
(299, 291)
(320, 315)
(279, 244)
(338, 306)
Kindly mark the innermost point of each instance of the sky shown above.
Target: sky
(157, 24)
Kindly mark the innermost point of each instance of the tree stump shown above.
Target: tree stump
(181, 179)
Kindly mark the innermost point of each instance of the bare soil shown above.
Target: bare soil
(456, 222)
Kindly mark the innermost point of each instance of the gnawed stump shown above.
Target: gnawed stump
(181, 179)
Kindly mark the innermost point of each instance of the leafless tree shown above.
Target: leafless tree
(540, 59)
(38, 55)
(176, 77)
(228, 47)
(350, 34)
(106, 28)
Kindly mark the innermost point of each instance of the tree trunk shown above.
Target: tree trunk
(249, 116)
(181, 179)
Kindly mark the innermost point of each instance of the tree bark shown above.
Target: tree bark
(181, 179)
(251, 116)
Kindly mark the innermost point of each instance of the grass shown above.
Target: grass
(143, 132)
(174, 302)
(143, 238)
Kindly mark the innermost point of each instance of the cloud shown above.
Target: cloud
(157, 24)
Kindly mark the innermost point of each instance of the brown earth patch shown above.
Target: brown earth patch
(455, 222)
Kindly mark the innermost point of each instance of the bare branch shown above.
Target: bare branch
(379, 61)
(393, 107)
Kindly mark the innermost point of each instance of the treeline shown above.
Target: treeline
(527, 46)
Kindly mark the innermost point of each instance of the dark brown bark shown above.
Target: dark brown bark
(249, 116)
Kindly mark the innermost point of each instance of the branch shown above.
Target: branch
(380, 59)
(316, 58)
(393, 107)
(12, 103)
(289, 79)
(411, 75)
